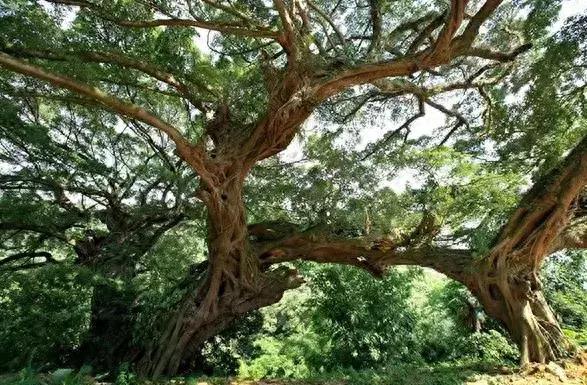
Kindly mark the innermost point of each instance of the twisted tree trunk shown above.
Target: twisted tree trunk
(234, 283)
(511, 293)
(506, 280)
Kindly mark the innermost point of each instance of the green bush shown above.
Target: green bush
(362, 322)
(491, 347)
(43, 316)
(278, 359)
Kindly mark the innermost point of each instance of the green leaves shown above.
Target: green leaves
(565, 281)
(43, 315)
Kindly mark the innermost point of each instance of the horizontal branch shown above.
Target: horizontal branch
(373, 255)
(27, 255)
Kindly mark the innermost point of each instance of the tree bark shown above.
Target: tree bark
(511, 293)
(234, 283)
(108, 341)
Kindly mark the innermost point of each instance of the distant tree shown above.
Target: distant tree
(75, 190)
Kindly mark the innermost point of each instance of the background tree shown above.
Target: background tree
(77, 189)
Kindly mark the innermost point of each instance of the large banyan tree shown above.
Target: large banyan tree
(269, 67)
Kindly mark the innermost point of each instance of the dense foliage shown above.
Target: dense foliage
(162, 187)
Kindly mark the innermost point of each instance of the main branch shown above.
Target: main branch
(190, 153)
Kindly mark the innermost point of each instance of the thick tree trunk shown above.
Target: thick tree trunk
(511, 293)
(234, 284)
(109, 339)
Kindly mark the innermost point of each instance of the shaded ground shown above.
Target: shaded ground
(570, 372)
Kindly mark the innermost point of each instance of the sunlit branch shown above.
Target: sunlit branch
(189, 152)
(452, 24)
(372, 255)
(289, 41)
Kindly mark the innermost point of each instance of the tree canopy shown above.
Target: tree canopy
(123, 121)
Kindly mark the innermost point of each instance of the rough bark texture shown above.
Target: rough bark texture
(507, 282)
(514, 297)
(233, 285)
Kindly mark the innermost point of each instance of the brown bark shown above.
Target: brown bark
(234, 283)
(512, 294)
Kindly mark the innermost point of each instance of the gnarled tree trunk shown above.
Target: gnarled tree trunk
(506, 280)
(234, 283)
(511, 293)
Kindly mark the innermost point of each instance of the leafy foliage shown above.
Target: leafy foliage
(43, 316)
(565, 277)
(99, 212)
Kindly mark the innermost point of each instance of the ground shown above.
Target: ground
(569, 372)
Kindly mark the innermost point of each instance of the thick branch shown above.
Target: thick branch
(472, 29)
(573, 237)
(452, 24)
(191, 154)
(372, 255)
(288, 40)
(545, 210)
(28, 255)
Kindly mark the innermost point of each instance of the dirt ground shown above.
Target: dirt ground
(571, 372)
